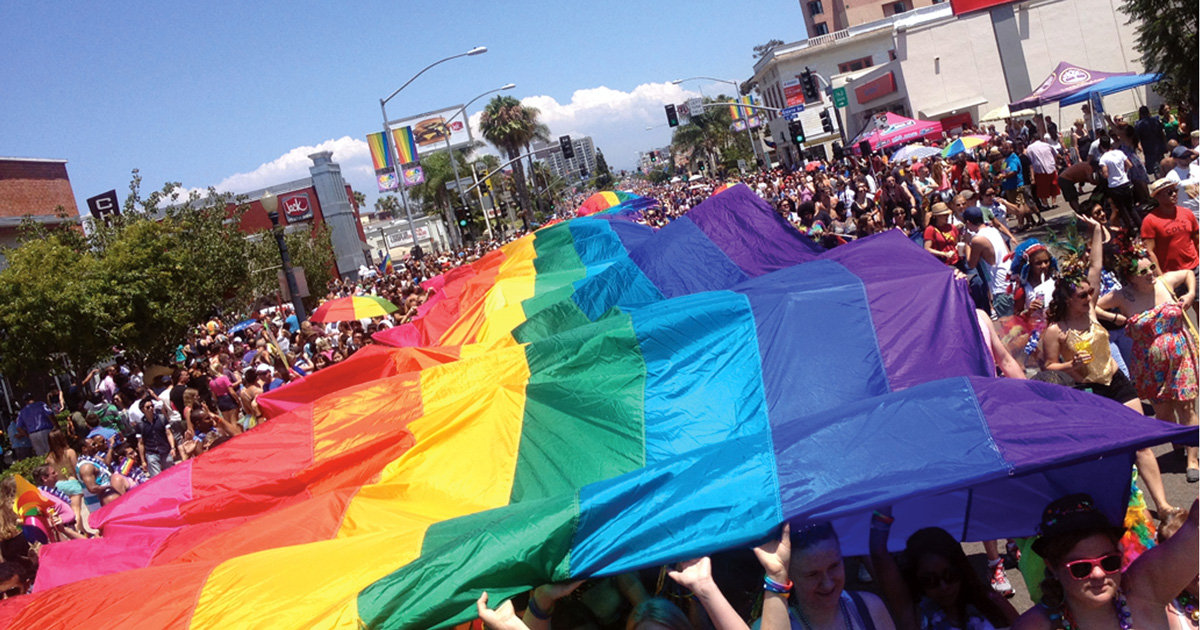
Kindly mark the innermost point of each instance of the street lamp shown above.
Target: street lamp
(454, 165)
(737, 90)
(270, 203)
(387, 137)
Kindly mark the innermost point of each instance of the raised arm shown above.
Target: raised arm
(697, 576)
(894, 590)
(1162, 572)
(1095, 255)
(774, 557)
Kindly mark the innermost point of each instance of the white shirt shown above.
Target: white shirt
(1185, 177)
(1115, 161)
(1000, 268)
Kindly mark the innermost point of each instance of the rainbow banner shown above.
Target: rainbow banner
(711, 366)
(381, 152)
(406, 145)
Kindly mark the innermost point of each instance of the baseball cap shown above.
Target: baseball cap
(1181, 152)
(973, 215)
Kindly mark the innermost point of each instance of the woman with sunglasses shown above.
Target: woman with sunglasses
(933, 586)
(1164, 350)
(1085, 587)
(1077, 344)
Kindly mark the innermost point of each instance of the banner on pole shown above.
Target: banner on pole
(387, 181)
(413, 175)
(406, 145)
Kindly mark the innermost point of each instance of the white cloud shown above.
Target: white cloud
(351, 153)
(615, 120)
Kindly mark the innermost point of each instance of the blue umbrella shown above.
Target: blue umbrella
(240, 326)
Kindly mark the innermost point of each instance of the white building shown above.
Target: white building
(584, 159)
(933, 64)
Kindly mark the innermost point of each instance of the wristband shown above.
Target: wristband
(886, 520)
(536, 611)
(776, 587)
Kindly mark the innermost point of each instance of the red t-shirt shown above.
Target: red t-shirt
(944, 242)
(1174, 238)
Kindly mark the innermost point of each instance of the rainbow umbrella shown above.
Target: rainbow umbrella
(353, 307)
(964, 143)
(602, 201)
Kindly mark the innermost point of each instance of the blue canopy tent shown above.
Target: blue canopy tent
(1111, 85)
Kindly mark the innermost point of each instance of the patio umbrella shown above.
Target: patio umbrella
(353, 307)
(914, 152)
(1002, 113)
(964, 143)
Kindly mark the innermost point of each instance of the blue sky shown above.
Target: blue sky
(236, 94)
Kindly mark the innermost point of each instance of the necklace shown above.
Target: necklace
(845, 616)
(1187, 603)
(1123, 615)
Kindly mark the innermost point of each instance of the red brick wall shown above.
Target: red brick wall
(37, 188)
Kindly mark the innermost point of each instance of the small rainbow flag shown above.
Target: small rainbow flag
(386, 267)
(381, 152)
(406, 145)
(30, 501)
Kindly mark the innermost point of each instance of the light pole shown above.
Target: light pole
(387, 137)
(737, 92)
(446, 132)
(270, 203)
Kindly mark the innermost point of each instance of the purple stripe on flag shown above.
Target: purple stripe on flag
(752, 234)
(897, 273)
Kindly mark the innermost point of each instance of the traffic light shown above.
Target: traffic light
(826, 123)
(672, 118)
(460, 215)
(838, 151)
(568, 150)
(654, 156)
(796, 132)
(808, 80)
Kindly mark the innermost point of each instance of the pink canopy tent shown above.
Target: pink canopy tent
(891, 130)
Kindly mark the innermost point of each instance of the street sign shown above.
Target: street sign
(695, 106)
(788, 112)
(839, 97)
(104, 204)
(742, 165)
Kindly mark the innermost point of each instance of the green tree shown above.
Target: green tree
(762, 50)
(137, 282)
(510, 126)
(1167, 39)
(604, 177)
(310, 249)
(387, 207)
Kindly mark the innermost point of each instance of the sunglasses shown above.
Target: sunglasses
(1086, 294)
(1148, 270)
(933, 580)
(1081, 569)
(12, 592)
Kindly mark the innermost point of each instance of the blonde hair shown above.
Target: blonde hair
(10, 524)
(190, 396)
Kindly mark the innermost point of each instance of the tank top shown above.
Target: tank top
(1095, 342)
(1003, 259)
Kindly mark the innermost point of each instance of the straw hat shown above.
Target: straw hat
(939, 209)
(1161, 185)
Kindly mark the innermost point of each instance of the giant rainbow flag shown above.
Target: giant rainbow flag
(635, 398)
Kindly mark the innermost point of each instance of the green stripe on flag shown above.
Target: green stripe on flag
(592, 380)
(505, 551)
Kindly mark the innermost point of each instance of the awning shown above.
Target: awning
(1002, 113)
(1110, 86)
(951, 108)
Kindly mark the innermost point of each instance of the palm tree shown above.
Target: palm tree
(510, 126)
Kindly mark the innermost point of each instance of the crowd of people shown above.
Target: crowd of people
(1101, 308)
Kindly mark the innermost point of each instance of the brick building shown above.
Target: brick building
(36, 188)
